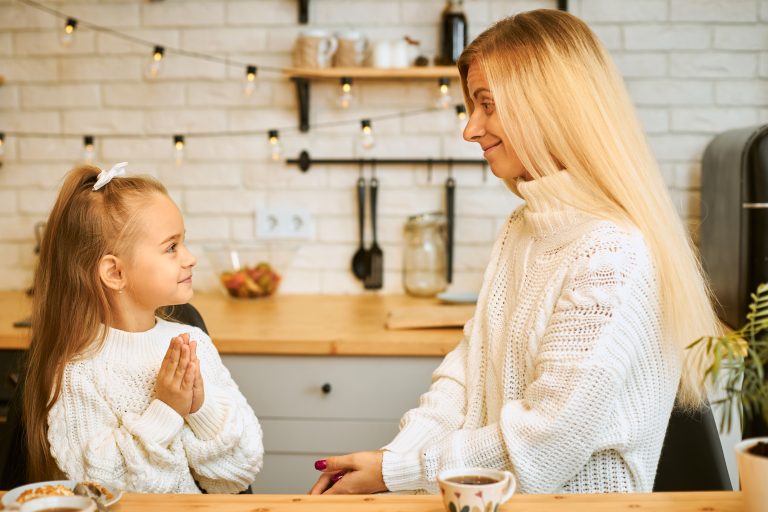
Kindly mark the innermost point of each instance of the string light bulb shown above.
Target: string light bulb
(250, 80)
(2, 147)
(156, 64)
(366, 134)
(346, 97)
(461, 112)
(444, 98)
(275, 149)
(178, 146)
(69, 32)
(88, 150)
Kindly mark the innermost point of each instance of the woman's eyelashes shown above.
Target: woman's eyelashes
(487, 106)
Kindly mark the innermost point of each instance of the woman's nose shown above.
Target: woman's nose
(474, 128)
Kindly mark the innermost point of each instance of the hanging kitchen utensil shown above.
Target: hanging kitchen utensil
(375, 278)
(450, 193)
(360, 258)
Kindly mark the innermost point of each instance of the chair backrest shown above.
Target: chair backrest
(13, 445)
(692, 456)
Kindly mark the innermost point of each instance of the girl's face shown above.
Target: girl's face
(159, 272)
(484, 127)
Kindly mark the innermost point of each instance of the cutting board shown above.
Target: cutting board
(425, 317)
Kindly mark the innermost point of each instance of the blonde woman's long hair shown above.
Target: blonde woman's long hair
(563, 104)
(69, 300)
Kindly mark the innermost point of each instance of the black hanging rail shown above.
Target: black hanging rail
(305, 161)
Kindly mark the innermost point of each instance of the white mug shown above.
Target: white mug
(400, 53)
(314, 49)
(381, 55)
(457, 496)
(351, 49)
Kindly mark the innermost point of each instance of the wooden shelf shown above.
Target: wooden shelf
(363, 73)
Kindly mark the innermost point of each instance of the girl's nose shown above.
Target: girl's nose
(189, 259)
(474, 128)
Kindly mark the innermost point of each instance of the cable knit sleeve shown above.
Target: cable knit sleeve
(89, 442)
(223, 440)
(589, 346)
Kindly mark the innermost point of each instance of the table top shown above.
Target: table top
(656, 502)
(350, 325)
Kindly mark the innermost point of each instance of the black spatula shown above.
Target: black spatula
(375, 278)
(360, 259)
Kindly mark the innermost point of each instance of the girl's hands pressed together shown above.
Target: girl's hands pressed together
(198, 390)
(356, 473)
(176, 378)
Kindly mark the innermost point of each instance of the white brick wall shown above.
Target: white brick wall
(693, 67)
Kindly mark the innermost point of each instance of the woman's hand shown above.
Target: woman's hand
(176, 378)
(198, 390)
(356, 473)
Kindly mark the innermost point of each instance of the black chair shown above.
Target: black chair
(13, 452)
(692, 456)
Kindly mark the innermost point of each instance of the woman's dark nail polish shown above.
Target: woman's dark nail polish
(321, 464)
(335, 478)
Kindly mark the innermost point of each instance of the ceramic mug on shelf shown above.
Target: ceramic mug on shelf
(314, 49)
(475, 488)
(351, 50)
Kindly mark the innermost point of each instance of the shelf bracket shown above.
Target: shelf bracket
(303, 11)
(302, 95)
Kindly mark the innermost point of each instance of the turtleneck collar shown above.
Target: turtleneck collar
(545, 212)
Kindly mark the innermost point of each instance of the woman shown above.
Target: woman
(568, 371)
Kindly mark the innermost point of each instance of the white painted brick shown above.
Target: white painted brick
(670, 92)
(74, 95)
(50, 150)
(6, 44)
(344, 282)
(626, 10)
(177, 66)
(206, 228)
(228, 149)
(468, 258)
(641, 64)
(763, 71)
(14, 16)
(185, 120)
(222, 201)
(8, 203)
(20, 175)
(48, 43)
(365, 12)
(101, 121)
(741, 38)
(172, 14)
(713, 65)
(36, 201)
(654, 120)
(300, 281)
(609, 35)
(265, 12)
(337, 229)
(38, 121)
(9, 97)
(145, 95)
(17, 228)
(282, 39)
(317, 204)
(9, 254)
(466, 282)
(29, 70)
(323, 256)
(667, 37)
(228, 94)
(115, 15)
(713, 10)
(243, 228)
(201, 175)
(393, 147)
(118, 150)
(688, 175)
(217, 41)
(742, 93)
(763, 10)
(14, 278)
(258, 119)
(395, 176)
(678, 147)
(269, 176)
(109, 44)
(687, 203)
(500, 9)
(102, 69)
(711, 120)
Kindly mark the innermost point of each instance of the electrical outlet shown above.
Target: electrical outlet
(284, 224)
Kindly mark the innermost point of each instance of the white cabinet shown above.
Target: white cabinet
(314, 406)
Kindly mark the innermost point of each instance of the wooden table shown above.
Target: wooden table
(288, 325)
(659, 502)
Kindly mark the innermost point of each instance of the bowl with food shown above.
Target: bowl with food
(251, 271)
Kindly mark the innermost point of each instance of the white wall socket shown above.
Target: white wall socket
(284, 224)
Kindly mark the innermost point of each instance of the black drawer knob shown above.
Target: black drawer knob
(326, 388)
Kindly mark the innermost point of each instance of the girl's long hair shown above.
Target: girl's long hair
(563, 104)
(70, 303)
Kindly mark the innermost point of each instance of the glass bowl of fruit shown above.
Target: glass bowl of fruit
(250, 271)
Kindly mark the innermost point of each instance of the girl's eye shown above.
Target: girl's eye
(171, 248)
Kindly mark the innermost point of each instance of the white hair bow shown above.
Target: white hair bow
(106, 176)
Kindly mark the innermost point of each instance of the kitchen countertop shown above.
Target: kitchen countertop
(347, 325)
(657, 502)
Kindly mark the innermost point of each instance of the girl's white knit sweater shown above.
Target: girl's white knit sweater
(563, 375)
(106, 426)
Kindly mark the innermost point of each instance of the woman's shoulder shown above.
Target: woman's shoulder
(610, 240)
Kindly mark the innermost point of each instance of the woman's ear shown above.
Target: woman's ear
(110, 272)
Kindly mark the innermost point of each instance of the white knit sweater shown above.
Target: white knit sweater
(106, 426)
(563, 376)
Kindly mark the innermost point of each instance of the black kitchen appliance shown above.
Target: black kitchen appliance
(734, 224)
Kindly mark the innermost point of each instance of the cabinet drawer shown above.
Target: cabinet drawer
(323, 437)
(367, 388)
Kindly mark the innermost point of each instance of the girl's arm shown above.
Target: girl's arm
(141, 453)
(223, 440)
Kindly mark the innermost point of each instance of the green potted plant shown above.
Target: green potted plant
(738, 358)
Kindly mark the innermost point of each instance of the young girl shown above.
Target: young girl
(568, 372)
(114, 394)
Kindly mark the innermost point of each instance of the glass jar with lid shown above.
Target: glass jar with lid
(424, 260)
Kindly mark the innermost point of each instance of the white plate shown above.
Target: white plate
(9, 498)
(458, 297)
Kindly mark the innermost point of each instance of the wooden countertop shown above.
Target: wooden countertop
(656, 502)
(288, 325)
